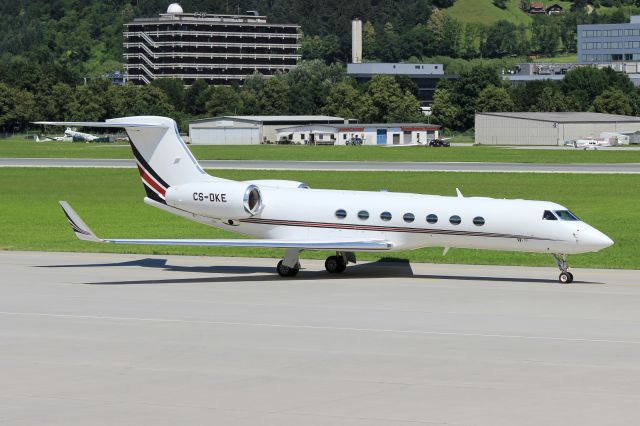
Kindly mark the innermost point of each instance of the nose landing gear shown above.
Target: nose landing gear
(566, 277)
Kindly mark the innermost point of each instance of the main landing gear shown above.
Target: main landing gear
(338, 263)
(566, 277)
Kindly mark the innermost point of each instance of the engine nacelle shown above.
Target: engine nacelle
(278, 183)
(219, 200)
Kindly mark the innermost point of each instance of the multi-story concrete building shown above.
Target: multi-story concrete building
(601, 43)
(221, 49)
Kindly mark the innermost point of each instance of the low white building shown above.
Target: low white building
(249, 129)
(370, 134)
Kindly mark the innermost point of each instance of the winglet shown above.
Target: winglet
(80, 228)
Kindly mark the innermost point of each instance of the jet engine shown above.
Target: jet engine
(217, 199)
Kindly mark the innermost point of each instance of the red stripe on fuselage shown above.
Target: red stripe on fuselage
(149, 180)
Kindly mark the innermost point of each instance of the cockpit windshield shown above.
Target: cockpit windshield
(566, 215)
(547, 215)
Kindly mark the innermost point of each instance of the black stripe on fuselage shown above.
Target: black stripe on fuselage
(147, 167)
(376, 228)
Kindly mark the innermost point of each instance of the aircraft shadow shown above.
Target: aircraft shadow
(247, 274)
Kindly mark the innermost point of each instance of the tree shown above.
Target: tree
(612, 101)
(444, 109)
(274, 98)
(345, 101)
(552, 100)
(584, 84)
(494, 99)
(391, 103)
(223, 100)
(309, 84)
(196, 98)
(173, 88)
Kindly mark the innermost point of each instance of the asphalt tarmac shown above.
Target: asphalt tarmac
(104, 339)
(626, 168)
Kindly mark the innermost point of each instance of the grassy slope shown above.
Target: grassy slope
(111, 203)
(485, 12)
(27, 149)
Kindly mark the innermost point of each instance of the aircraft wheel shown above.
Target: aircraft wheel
(285, 271)
(335, 265)
(566, 278)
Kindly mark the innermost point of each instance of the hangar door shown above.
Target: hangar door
(225, 136)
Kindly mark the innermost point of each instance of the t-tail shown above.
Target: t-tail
(162, 157)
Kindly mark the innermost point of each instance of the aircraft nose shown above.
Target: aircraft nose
(595, 239)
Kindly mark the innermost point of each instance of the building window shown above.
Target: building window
(386, 216)
(455, 220)
(341, 214)
(409, 217)
(478, 221)
(344, 136)
(363, 214)
(301, 136)
(432, 218)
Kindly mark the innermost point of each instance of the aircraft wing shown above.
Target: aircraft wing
(83, 232)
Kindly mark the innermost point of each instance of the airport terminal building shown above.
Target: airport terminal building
(548, 128)
(220, 49)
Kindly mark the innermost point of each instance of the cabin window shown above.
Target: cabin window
(478, 221)
(409, 217)
(386, 216)
(341, 214)
(565, 215)
(432, 218)
(547, 215)
(455, 220)
(363, 214)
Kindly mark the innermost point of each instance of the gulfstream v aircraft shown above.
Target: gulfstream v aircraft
(290, 215)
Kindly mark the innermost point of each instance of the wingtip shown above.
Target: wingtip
(80, 228)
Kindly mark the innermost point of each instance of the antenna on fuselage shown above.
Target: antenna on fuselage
(459, 193)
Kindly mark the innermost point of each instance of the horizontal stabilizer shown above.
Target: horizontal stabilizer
(107, 124)
(83, 232)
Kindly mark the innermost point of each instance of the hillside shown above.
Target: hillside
(485, 12)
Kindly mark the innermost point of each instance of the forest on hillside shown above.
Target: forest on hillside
(52, 54)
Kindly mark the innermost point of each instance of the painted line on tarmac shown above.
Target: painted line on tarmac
(315, 327)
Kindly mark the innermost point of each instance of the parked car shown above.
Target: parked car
(439, 142)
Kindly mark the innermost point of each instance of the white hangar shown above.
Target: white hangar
(249, 129)
(547, 128)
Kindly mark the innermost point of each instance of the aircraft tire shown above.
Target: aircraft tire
(335, 264)
(285, 271)
(565, 278)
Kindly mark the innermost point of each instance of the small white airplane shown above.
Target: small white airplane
(70, 133)
(289, 215)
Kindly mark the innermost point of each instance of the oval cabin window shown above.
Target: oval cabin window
(386, 216)
(363, 214)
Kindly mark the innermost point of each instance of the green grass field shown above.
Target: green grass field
(110, 201)
(568, 58)
(485, 12)
(26, 149)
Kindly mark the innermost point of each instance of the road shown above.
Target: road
(626, 168)
(107, 339)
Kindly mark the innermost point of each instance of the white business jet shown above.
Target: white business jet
(289, 215)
